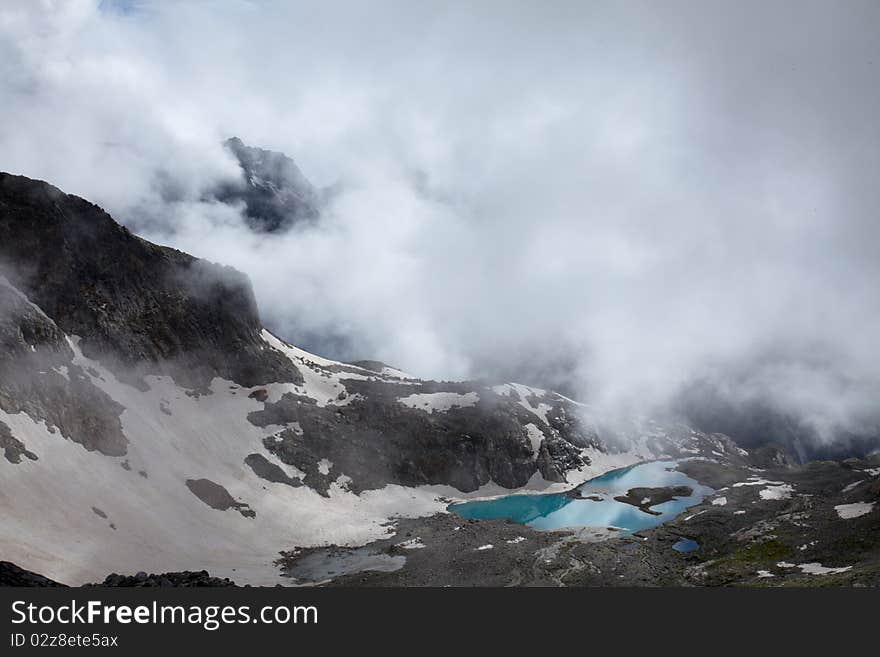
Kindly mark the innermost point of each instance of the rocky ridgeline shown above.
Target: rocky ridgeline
(139, 307)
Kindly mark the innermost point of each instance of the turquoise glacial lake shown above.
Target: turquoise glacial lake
(572, 509)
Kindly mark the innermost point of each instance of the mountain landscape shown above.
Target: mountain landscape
(152, 428)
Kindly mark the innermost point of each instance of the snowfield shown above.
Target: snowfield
(439, 401)
(856, 510)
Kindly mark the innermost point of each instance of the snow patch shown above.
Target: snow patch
(816, 568)
(782, 492)
(855, 510)
(757, 481)
(536, 437)
(439, 401)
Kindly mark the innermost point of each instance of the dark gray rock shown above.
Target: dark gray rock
(12, 575)
(185, 578)
(374, 440)
(38, 377)
(13, 449)
(645, 498)
(136, 306)
(217, 497)
(269, 471)
(274, 192)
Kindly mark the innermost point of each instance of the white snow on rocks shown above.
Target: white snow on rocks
(395, 373)
(525, 394)
(324, 466)
(518, 539)
(765, 574)
(851, 486)
(757, 481)
(775, 490)
(483, 548)
(412, 544)
(782, 492)
(720, 501)
(855, 510)
(319, 383)
(431, 402)
(159, 524)
(816, 568)
(536, 437)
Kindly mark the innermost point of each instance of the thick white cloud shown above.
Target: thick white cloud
(644, 193)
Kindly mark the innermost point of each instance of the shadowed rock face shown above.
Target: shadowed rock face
(13, 449)
(12, 575)
(38, 377)
(136, 306)
(275, 193)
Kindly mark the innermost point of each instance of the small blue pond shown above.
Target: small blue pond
(686, 545)
(558, 510)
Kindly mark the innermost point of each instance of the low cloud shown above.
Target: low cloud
(625, 201)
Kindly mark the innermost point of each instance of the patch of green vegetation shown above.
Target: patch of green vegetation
(750, 557)
(854, 544)
(764, 552)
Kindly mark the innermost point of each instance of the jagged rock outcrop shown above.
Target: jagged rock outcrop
(182, 579)
(275, 193)
(374, 440)
(134, 305)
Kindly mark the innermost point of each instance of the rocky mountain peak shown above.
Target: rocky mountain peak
(274, 191)
(133, 304)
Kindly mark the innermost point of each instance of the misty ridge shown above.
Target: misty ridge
(672, 217)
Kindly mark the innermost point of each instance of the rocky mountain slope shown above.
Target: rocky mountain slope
(149, 422)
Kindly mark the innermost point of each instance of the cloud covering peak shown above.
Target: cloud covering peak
(622, 199)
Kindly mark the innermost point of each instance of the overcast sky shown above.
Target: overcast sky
(636, 193)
